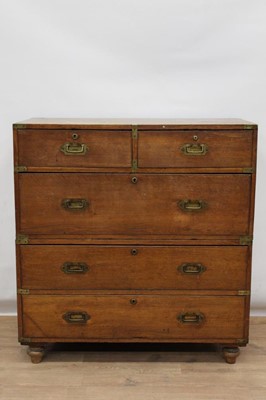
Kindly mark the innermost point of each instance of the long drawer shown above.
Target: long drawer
(122, 204)
(139, 267)
(134, 317)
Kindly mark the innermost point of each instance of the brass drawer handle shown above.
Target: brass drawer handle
(75, 204)
(191, 318)
(192, 205)
(76, 317)
(74, 268)
(191, 268)
(74, 149)
(195, 149)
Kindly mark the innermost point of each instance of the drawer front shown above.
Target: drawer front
(61, 148)
(117, 204)
(180, 149)
(141, 267)
(140, 317)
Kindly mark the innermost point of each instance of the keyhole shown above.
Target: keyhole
(134, 252)
(75, 136)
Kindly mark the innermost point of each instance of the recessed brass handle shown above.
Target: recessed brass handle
(191, 268)
(76, 317)
(194, 149)
(192, 205)
(74, 149)
(74, 268)
(75, 204)
(191, 318)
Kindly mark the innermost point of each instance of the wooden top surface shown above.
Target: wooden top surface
(127, 123)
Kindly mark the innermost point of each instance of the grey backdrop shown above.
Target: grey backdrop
(123, 58)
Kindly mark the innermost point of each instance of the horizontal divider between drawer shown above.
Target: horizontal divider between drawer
(128, 170)
(143, 240)
(129, 340)
(130, 292)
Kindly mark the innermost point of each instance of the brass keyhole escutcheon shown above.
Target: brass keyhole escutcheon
(134, 179)
(75, 136)
(133, 301)
(195, 137)
(134, 252)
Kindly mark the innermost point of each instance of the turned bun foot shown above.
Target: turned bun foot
(36, 354)
(230, 354)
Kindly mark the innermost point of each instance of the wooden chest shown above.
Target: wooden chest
(134, 231)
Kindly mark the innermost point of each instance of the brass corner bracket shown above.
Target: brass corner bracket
(19, 126)
(22, 239)
(23, 291)
(248, 170)
(20, 168)
(245, 240)
(243, 292)
(24, 340)
(134, 165)
(248, 126)
(241, 341)
(134, 132)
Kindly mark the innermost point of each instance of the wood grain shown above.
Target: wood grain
(224, 149)
(152, 317)
(149, 207)
(144, 297)
(152, 267)
(41, 148)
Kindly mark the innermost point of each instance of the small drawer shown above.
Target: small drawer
(134, 317)
(198, 148)
(74, 148)
(139, 267)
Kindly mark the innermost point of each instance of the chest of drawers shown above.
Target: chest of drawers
(134, 231)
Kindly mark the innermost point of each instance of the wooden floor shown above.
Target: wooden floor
(131, 372)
